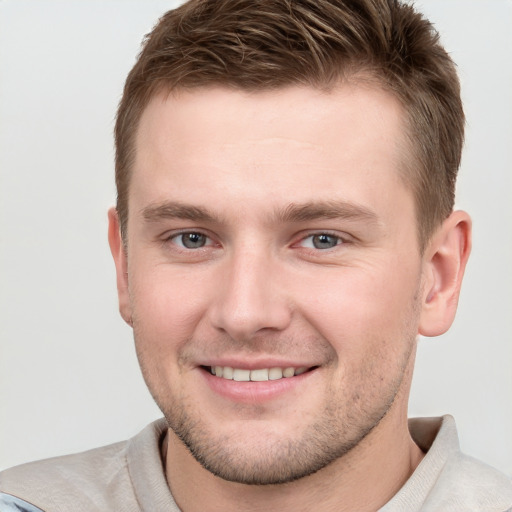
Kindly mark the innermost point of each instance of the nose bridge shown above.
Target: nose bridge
(250, 297)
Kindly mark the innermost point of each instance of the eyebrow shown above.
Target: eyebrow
(294, 212)
(301, 212)
(176, 210)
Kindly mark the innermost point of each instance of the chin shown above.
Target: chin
(264, 455)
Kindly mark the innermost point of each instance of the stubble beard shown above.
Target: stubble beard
(270, 459)
(274, 460)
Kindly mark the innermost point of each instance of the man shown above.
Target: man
(284, 231)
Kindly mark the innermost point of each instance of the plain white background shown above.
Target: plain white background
(69, 379)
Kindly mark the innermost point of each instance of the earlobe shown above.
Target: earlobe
(118, 251)
(445, 261)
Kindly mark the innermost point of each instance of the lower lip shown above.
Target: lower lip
(254, 392)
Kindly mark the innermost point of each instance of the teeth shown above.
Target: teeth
(259, 375)
(241, 375)
(228, 372)
(275, 374)
(288, 372)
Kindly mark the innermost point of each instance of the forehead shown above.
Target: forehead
(295, 143)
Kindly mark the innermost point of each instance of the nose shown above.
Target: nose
(251, 298)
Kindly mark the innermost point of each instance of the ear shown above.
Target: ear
(445, 260)
(118, 250)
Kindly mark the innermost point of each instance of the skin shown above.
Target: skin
(306, 255)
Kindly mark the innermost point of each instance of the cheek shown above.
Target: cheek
(357, 307)
(166, 308)
(164, 319)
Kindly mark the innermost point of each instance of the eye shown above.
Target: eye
(191, 240)
(321, 241)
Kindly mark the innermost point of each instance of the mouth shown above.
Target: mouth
(257, 375)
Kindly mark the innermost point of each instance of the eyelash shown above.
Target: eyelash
(339, 240)
(209, 242)
(174, 236)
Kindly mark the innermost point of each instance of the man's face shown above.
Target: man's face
(270, 235)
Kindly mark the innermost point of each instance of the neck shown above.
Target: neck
(364, 479)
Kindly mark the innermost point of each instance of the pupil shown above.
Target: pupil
(193, 240)
(324, 241)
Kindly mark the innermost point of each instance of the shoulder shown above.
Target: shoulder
(465, 480)
(460, 482)
(72, 482)
(118, 477)
(447, 479)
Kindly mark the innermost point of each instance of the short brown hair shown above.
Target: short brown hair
(265, 44)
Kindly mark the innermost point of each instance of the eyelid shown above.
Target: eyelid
(343, 238)
(170, 236)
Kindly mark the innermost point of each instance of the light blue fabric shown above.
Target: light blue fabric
(10, 503)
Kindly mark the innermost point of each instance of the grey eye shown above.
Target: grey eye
(192, 240)
(324, 241)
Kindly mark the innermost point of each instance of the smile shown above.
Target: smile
(259, 375)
